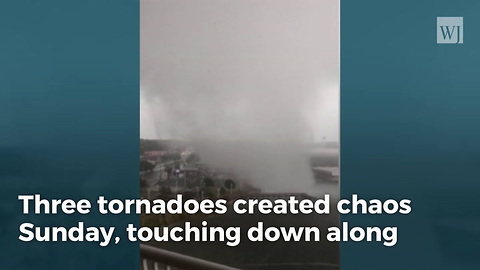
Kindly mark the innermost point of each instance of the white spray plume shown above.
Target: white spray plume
(245, 80)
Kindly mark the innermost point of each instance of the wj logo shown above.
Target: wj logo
(450, 30)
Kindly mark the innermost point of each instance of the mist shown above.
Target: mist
(250, 83)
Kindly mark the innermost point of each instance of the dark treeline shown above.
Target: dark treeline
(158, 145)
(324, 161)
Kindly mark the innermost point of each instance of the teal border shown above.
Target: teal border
(69, 128)
(410, 129)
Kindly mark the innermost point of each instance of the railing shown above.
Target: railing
(159, 259)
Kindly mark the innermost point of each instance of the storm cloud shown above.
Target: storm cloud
(242, 71)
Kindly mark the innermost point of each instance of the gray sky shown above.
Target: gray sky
(240, 69)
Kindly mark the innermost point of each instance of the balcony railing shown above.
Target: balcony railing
(159, 259)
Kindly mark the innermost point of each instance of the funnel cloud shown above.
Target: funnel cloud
(252, 84)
